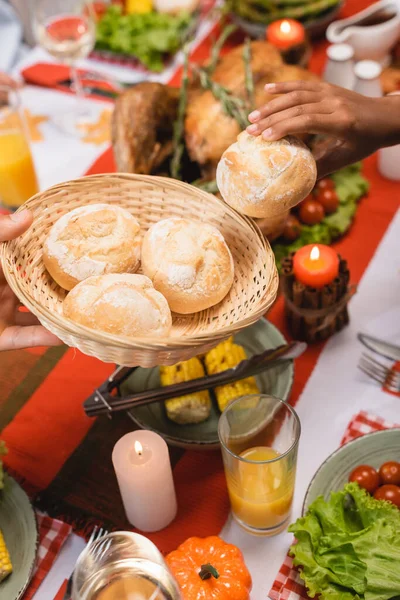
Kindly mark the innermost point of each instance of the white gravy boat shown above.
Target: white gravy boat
(370, 42)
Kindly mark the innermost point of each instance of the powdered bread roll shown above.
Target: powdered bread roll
(92, 240)
(125, 305)
(188, 262)
(262, 179)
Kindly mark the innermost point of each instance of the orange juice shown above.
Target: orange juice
(261, 493)
(17, 174)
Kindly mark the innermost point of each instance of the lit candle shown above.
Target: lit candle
(315, 265)
(143, 469)
(286, 33)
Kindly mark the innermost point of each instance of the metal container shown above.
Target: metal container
(123, 560)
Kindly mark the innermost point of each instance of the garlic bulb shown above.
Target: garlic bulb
(175, 6)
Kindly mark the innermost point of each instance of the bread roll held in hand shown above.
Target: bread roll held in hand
(92, 240)
(188, 262)
(262, 179)
(126, 305)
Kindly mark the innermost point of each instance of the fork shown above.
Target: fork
(379, 372)
(96, 534)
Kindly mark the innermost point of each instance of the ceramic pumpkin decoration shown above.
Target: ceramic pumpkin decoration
(211, 569)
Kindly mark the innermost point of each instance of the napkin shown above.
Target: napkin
(52, 535)
(288, 585)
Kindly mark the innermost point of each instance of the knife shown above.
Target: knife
(380, 346)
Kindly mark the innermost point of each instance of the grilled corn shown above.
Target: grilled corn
(225, 356)
(192, 408)
(5, 560)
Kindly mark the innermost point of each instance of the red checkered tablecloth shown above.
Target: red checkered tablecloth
(288, 585)
(52, 535)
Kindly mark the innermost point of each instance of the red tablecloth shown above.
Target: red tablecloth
(42, 391)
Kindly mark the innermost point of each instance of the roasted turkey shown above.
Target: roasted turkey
(144, 115)
(142, 126)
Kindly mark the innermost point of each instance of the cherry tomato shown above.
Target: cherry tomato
(390, 473)
(311, 212)
(329, 200)
(391, 493)
(324, 184)
(366, 477)
(292, 229)
(306, 199)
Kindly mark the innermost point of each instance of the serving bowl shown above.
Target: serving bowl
(371, 449)
(149, 199)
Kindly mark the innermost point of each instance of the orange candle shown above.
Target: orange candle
(286, 33)
(315, 265)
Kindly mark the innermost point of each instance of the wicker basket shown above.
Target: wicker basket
(149, 199)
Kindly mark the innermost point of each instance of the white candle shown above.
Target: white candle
(143, 469)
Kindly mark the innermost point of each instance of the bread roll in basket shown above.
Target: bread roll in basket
(149, 199)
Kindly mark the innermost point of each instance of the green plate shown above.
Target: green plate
(277, 382)
(19, 527)
(372, 449)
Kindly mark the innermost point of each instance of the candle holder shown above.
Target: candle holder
(315, 314)
(122, 565)
(259, 437)
(299, 54)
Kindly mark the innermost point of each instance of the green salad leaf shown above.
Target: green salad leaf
(349, 547)
(350, 187)
(3, 452)
(148, 37)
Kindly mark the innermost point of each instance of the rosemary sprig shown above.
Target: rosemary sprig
(219, 44)
(207, 186)
(232, 105)
(178, 130)
(249, 81)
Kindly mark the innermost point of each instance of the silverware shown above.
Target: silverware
(384, 375)
(103, 402)
(380, 346)
(96, 534)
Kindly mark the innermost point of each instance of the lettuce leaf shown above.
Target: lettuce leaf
(350, 187)
(349, 547)
(148, 37)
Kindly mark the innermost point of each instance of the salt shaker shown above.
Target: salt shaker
(368, 82)
(340, 68)
(389, 159)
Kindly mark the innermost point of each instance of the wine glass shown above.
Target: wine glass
(67, 30)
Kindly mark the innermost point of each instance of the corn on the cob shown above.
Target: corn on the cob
(192, 408)
(5, 560)
(225, 356)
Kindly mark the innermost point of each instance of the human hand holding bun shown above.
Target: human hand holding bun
(189, 263)
(263, 179)
(126, 305)
(92, 240)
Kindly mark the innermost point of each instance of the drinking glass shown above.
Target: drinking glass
(67, 30)
(123, 565)
(18, 180)
(259, 436)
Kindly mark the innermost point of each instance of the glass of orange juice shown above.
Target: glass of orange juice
(18, 180)
(259, 436)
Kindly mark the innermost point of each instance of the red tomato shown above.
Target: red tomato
(292, 229)
(366, 477)
(391, 493)
(390, 473)
(306, 199)
(324, 184)
(329, 200)
(311, 212)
